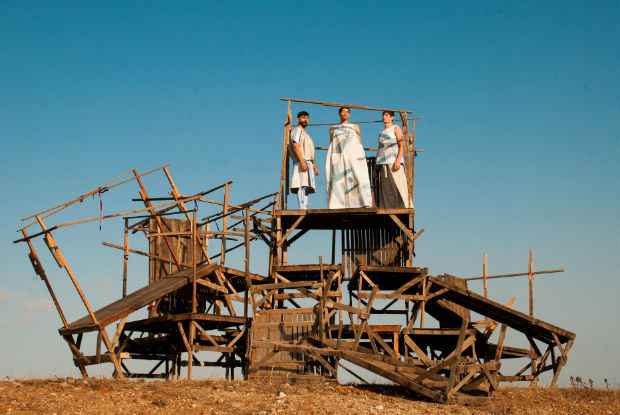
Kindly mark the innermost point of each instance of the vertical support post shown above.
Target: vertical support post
(278, 236)
(248, 281)
(321, 310)
(194, 299)
(287, 131)
(412, 152)
(409, 261)
(272, 236)
(484, 275)
(423, 303)
(125, 257)
(190, 353)
(248, 285)
(408, 154)
(333, 246)
(224, 225)
(530, 278)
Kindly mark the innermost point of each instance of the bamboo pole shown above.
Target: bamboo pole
(333, 104)
(224, 224)
(38, 268)
(77, 222)
(183, 208)
(82, 197)
(55, 251)
(408, 157)
(531, 281)
(125, 257)
(287, 131)
(148, 204)
(519, 274)
(484, 275)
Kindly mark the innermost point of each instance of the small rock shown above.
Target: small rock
(282, 395)
(263, 412)
(379, 407)
(220, 401)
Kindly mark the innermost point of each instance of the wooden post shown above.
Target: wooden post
(150, 207)
(125, 257)
(530, 279)
(484, 275)
(248, 280)
(194, 299)
(53, 247)
(411, 149)
(287, 131)
(333, 246)
(181, 205)
(408, 155)
(190, 354)
(224, 225)
(38, 268)
(423, 303)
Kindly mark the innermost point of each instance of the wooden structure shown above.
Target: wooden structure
(368, 306)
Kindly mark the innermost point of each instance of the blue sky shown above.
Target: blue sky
(520, 127)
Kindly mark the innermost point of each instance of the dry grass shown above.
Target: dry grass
(103, 396)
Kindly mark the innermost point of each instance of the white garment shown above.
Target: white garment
(302, 198)
(301, 178)
(388, 147)
(346, 172)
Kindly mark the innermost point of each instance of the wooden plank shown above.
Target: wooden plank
(291, 229)
(332, 104)
(515, 319)
(136, 300)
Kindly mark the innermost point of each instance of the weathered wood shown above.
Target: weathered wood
(332, 104)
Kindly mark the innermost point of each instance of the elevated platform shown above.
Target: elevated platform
(359, 218)
(386, 278)
(306, 272)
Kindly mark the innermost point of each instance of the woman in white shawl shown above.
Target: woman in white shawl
(348, 184)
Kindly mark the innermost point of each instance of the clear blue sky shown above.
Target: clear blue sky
(520, 101)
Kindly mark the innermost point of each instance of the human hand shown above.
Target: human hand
(303, 165)
(396, 165)
(316, 171)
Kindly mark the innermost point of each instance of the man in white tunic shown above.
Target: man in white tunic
(389, 170)
(301, 150)
(346, 171)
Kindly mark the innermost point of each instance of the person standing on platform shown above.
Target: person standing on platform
(389, 166)
(346, 171)
(301, 150)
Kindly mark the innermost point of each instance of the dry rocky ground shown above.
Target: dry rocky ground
(105, 396)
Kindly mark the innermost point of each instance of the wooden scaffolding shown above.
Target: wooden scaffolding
(369, 306)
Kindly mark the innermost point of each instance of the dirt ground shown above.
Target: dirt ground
(57, 396)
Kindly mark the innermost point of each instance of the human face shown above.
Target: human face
(387, 118)
(303, 120)
(345, 114)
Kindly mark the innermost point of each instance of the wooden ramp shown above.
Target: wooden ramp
(517, 320)
(135, 301)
